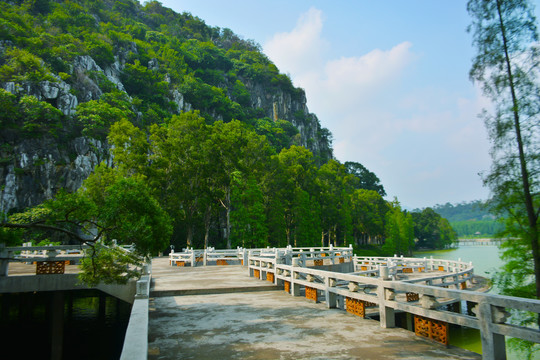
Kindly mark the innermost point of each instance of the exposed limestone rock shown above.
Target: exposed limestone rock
(56, 92)
(41, 167)
(113, 74)
(278, 104)
(178, 99)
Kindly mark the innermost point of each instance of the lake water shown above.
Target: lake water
(485, 258)
(486, 261)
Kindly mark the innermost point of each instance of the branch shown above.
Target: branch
(47, 227)
(222, 204)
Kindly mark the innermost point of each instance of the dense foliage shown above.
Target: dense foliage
(161, 61)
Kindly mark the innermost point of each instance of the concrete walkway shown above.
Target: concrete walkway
(215, 318)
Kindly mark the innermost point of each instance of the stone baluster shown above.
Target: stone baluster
(386, 313)
(4, 260)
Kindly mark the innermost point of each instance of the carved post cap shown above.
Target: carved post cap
(310, 278)
(52, 253)
(389, 294)
(499, 314)
(353, 286)
(428, 302)
(384, 272)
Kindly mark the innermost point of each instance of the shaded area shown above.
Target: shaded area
(91, 324)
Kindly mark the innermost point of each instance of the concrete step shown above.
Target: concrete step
(213, 291)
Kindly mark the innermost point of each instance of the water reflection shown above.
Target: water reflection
(92, 325)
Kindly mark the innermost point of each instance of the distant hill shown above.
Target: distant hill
(470, 219)
(465, 211)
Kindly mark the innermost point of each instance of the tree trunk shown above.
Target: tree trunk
(529, 206)
(227, 207)
(189, 239)
(207, 218)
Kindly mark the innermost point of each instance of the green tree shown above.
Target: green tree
(334, 187)
(505, 35)
(96, 117)
(368, 211)
(294, 180)
(431, 230)
(39, 117)
(248, 218)
(180, 168)
(399, 231)
(365, 178)
(235, 148)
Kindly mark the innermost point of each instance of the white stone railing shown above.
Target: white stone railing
(390, 295)
(29, 254)
(192, 257)
(453, 273)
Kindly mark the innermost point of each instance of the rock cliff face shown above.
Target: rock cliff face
(38, 168)
(33, 169)
(283, 105)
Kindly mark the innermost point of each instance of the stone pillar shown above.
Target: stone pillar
(4, 260)
(493, 345)
(205, 257)
(410, 322)
(331, 301)
(57, 324)
(384, 272)
(295, 288)
(386, 313)
(245, 257)
(193, 258)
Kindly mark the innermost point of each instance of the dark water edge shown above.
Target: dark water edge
(93, 324)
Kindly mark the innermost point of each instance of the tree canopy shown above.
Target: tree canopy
(506, 65)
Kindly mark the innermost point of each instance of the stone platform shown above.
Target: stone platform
(219, 312)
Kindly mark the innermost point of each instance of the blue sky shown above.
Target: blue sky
(389, 79)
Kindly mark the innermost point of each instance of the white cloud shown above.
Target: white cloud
(300, 49)
(425, 143)
(369, 71)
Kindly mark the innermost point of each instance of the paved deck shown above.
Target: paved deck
(209, 316)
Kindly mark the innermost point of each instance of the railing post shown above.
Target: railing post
(331, 301)
(245, 257)
(192, 257)
(386, 314)
(295, 288)
(493, 345)
(4, 260)
(205, 257)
